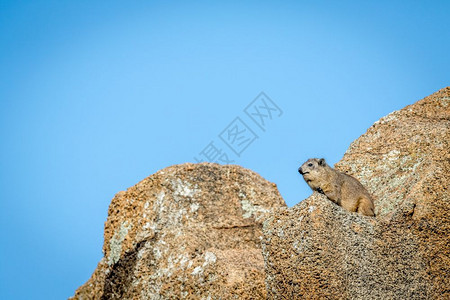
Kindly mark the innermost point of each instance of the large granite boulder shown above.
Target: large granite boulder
(317, 250)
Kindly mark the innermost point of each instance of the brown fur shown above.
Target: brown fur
(342, 189)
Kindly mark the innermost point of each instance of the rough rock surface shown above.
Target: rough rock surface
(189, 231)
(317, 250)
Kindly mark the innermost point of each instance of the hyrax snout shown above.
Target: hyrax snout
(342, 189)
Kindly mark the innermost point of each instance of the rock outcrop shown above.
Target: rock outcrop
(189, 231)
(194, 231)
(317, 250)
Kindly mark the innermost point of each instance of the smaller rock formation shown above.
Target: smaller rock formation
(189, 231)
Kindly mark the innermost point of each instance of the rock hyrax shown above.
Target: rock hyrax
(342, 189)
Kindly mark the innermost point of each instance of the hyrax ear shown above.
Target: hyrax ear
(322, 162)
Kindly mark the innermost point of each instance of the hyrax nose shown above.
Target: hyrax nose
(300, 170)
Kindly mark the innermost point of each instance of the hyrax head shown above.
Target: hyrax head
(312, 168)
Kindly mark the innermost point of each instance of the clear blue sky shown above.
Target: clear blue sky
(97, 95)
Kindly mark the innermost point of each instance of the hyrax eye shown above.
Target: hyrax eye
(310, 165)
